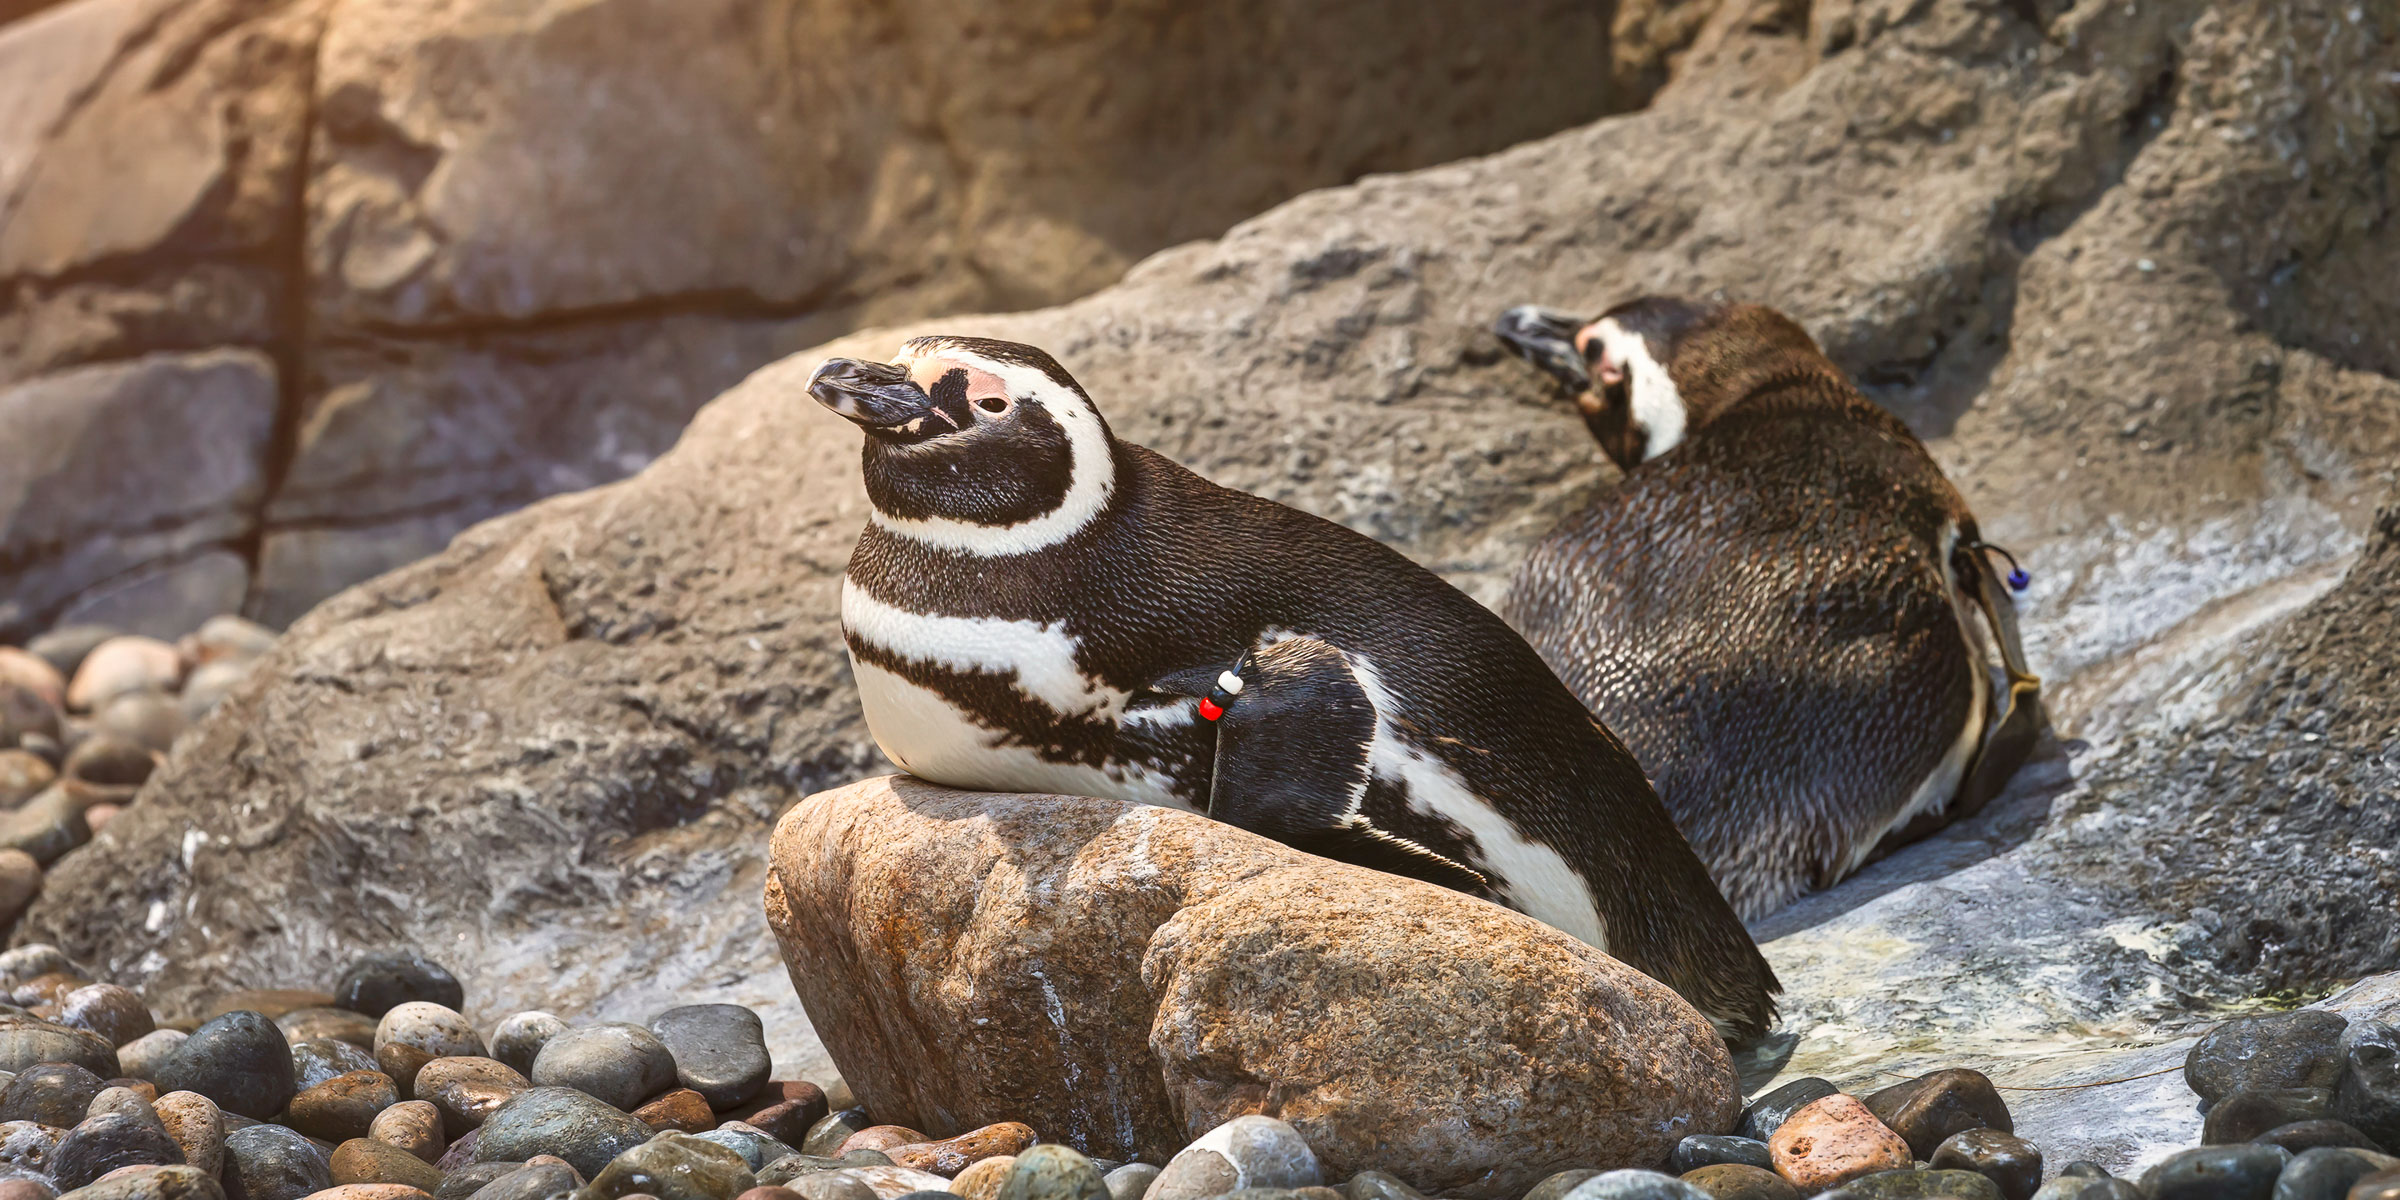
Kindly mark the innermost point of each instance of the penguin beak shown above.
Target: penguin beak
(1545, 337)
(877, 396)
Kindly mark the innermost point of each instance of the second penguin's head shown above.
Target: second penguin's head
(1648, 372)
(974, 445)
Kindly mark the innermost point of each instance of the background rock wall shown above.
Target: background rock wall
(474, 253)
(2114, 261)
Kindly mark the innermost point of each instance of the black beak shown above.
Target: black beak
(874, 395)
(1545, 337)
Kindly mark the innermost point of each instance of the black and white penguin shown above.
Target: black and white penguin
(1785, 608)
(1037, 606)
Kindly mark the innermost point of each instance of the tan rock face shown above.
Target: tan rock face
(1833, 1141)
(500, 250)
(1125, 978)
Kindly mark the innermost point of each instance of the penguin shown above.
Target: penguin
(1037, 606)
(1784, 608)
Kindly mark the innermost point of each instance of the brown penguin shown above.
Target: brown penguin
(1785, 609)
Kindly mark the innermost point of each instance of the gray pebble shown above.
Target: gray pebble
(674, 1166)
(2326, 1174)
(753, 1144)
(380, 982)
(436, 1029)
(2217, 1173)
(830, 1185)
(1130, 1181)
(2279, 1050)
(104, 1143)
(1635, 1185)
(274, 1163)
(474, 1177)
(1711, 1149)
(58, 1094)
(1050, 1171)
(28, 1145)
(319, 1059)
(552, 1120)
(140, 1058)
(618, 1063)
(720, 1050)
(118, 1100)
(520, 1038)
(1557, 1186)
(26, 1042)
(825, 1138)
(239, 1060)
(533, 1181)
(780, 1171)
(160, 1183)
(1245, 1152)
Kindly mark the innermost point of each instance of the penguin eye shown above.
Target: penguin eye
(993, 404)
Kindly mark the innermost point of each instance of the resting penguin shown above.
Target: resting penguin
(1785, 608)
(1036, 606)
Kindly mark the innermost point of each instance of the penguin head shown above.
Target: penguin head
(974, 445)
(1648, 372)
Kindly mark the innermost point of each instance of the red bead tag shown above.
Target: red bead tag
(1209, 709)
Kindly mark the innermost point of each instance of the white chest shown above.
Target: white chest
(933, 737)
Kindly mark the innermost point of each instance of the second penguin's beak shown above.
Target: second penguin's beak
(1545, 337)
(872, 394)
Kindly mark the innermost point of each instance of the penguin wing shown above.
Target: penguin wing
(1292, 764)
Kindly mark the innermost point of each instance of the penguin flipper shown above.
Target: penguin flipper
(1291, 763)
(1361, 843)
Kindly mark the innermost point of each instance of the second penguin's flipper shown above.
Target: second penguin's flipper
(1292, 746)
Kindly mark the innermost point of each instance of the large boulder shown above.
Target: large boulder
(1126, 978)
(497, 250)
(2069, 247)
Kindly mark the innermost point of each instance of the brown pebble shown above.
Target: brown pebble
(195, 1124)
(951, 1155)
(769, 1193)
(1741, 1181)
(339, 1024)
(1834, 1140)
(373, 1191)
(1930, 1109)
(108, 768)
(46, 989)
(784, 1109)
(343, 1108)
(881, 1137)
(113, 1012)
(22, 773)
(35, 674)
(402, 1061)
(20, 882)
(552, 1160)
(982, 1180)
(467, 1089)
(120, 665)
(147, 1090)
(365, 1160)
(682, 1109)
(411, 1125)
(271, 1003)
(23, 1189)
(97, 817)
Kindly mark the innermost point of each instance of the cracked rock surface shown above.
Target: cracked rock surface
(2108, 259)
(491, 251)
